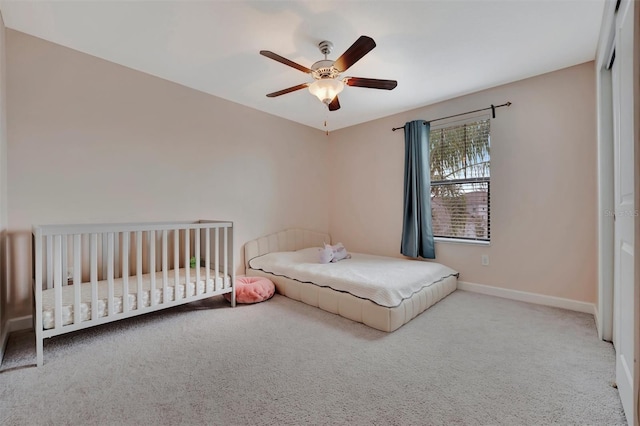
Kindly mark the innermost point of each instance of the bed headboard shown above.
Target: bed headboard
(287, 240)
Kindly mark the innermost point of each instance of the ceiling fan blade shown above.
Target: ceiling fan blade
(361, 47)
(285, 61)
(335, 104)
(371, 83)
(288, 90)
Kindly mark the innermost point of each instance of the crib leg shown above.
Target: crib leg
(39, 352)
(233, 292)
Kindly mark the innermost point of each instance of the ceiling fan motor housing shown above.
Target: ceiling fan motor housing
(324, 69)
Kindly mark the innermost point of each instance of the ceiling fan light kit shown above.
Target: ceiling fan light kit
(326, 89)
(326, 73)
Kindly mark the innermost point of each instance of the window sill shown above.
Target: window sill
(461, 241)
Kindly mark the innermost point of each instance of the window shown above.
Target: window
(460, 185)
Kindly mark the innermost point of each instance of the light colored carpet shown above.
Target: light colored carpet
(469, 360)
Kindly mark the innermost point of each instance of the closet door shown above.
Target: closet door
(625, 209)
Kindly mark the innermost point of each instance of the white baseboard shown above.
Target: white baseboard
(20, 323)
(596, 318)
(14, 324)
(4, 338)
(523, 296)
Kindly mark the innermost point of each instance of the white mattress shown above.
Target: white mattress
(48, 296)
(384, 281)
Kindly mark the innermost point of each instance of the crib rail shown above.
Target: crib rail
(91, 274)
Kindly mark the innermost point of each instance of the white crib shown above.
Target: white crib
(86, 275)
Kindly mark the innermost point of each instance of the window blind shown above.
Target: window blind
(459, 157)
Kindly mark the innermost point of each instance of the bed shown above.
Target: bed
(381, 292)
(91, 274)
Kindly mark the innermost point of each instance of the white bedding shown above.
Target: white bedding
(385, 281)
(48, 296)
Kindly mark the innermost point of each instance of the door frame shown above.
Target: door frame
(636, 136)
(604, 119)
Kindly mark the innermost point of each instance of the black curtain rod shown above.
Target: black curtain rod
(492, 108)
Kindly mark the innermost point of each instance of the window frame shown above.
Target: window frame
(473, 180)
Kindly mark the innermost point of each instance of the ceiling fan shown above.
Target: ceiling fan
(326, 73)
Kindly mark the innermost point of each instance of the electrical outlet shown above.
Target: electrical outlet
(485, 260)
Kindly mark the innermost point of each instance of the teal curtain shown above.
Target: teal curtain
(417, 233)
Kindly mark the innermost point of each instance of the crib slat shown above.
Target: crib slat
(216, 259)
(226, 257)
(139, 299)
(152, 266)
(187, 262)
(165, 272)
(111, 309)
(94, 275)
(176, 264)
(125, 272)
(49, 261)
(197, 256)
(77, 278)
(116, 260)
(207, 255)
(63, 261)
(104, 262)
(57, 279)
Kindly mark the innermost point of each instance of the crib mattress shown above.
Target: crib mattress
(160, 296)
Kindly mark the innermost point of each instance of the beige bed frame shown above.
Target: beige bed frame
(343, 304)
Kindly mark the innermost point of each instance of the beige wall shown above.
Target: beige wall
(91, 141)
(543, 186)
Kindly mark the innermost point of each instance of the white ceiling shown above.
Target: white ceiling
(436, 50)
